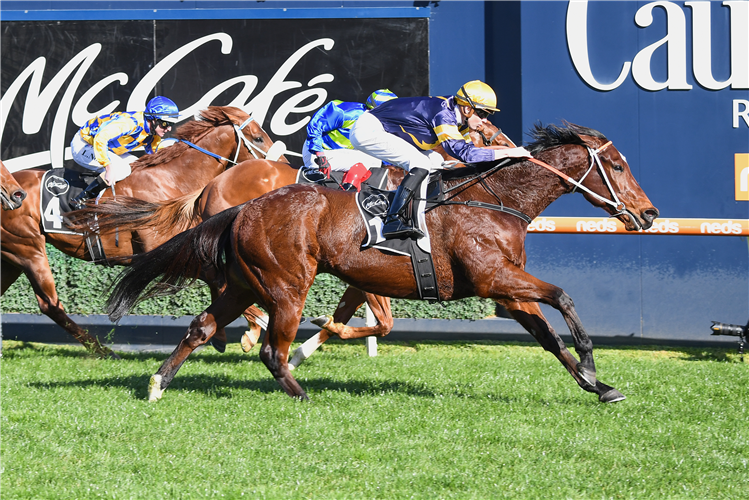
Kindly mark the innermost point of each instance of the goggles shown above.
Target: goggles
(164, 124)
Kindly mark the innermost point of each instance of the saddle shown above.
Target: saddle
(58, 187)
(378, 179)
(373, 204)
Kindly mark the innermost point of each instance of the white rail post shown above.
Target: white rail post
(371, 340)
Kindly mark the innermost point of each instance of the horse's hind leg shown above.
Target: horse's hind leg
(529, 315)
(43, 283)
(203, 327)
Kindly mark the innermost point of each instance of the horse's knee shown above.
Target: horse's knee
(199, 331)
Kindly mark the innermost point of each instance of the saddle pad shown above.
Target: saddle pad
(378, 179)
(373, 206)
(58, 187)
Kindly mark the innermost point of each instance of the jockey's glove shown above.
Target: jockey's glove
(323, 163)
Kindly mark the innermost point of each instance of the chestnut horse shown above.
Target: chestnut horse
(242, 183)
(11, 193)
(171, 172)
(270, 249)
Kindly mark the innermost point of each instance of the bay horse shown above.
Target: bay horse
(168, 173)
(247, 181)
(271, 248)
(11, 193)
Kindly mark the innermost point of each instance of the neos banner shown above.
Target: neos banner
(57, 75)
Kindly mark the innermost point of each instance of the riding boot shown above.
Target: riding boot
(91, 191)
(399, 222)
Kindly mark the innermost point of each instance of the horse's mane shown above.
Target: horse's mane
(193, 131)
(554, 135)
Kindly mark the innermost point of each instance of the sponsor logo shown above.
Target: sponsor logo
(376, 204)
(676, 43)
(542, 225)
(728, 227)
(593, 226)
(39, 100)
(56, 186)
(663, 227)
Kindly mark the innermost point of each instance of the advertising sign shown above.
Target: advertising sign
(56, 75)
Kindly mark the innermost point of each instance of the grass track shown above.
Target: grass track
(427, 420)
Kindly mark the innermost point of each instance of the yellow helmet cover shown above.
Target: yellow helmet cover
(480, 95)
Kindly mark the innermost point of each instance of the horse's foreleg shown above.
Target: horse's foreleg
(202, 328)
(380, 307)
(515, 284)
(530, 317)
(282, 327)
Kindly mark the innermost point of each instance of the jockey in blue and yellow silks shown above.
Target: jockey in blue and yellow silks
(103, 144)
(404, 131)
(328, 143)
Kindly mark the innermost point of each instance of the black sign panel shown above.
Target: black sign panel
(56, 75)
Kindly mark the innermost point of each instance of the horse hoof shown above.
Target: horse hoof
(322, 321)
(154, 388)
(587, 375)
(611, 396)
(219, 345)
(248, 341)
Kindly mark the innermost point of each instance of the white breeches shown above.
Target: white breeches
(341, 160)
(369, 136)
(83, 154)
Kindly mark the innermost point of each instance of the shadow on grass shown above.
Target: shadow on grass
(217, 386)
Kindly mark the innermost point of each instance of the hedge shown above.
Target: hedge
(84, 287)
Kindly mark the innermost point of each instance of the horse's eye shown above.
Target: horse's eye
(618, 168)
(258, 139)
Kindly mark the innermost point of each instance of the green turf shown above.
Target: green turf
(427, 420)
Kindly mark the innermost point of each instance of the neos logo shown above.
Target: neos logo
(675, 43)
(664, 226)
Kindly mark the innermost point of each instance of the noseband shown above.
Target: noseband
(241, 139)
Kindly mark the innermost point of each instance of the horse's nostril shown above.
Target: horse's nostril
(19, 195)
(650, 214)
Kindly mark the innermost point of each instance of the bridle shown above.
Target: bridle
(241, 139)
(595, 159)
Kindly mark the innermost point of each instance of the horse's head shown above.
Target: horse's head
(256, 142)
(489, 135)
(611, 178)
(11, 193)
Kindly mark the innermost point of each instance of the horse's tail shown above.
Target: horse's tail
(174, 265)
(130, 214)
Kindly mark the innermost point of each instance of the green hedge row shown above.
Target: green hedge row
(83, 289)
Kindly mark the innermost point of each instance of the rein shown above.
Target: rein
(241, 139)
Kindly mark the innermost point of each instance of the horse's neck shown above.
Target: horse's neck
(530, 188)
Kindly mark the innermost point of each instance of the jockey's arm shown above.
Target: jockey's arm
(112, 130)
(328, 118)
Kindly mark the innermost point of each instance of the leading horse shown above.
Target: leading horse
(11, 193)
(271, 248)
(227, 133)
(238, 185)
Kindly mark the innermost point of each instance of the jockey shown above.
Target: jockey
(404, 131)
(102, 145)
(328, 143)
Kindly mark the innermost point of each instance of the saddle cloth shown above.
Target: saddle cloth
(58, 187)
(373, 205)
